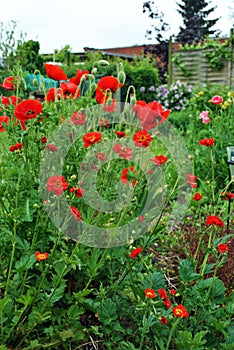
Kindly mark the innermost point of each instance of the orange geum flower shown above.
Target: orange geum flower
(41, 256)
(150, 293)
(180, 311)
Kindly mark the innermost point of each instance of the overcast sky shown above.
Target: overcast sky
(96, 23)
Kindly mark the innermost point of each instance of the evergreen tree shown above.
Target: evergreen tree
(196, 25)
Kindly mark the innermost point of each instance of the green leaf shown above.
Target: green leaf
(25, 263)
(56, 294)
(27, 299)
(187, 270)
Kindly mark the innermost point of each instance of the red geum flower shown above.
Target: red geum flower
(158, 160)
(70, 90)
(142, 138)
(55, 72)
(120, 133)
(127, 174)
(150, 293)
(124, 152)
(79, 192)
(214, 220)
(79, 74)
(91, 138)
(162, 293)
(167, 303)
(57, 184)
(76, 214)
(223, 248)
(8, 83)
(17, 146)
(191, 180)
(173, 292)
(53, 94)
(100, 156)
(217, 100)
(227, 195)
(197, 196)
(135, 252)
(43, 139)
(27, 109)
(163, 320)
(180, 311)
(41, 256)
(207, 142)
(78, 118)
(52, 147)
(3, 119)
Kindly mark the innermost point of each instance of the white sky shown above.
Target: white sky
(96, 23)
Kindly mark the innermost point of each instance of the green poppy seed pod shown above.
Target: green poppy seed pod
(35, 82)
(103, 63)
(121, 77)
(133, 100)
(93, 86)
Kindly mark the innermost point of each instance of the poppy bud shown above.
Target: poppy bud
(35, 82)
(122, 77)
(93, 86)
(133, 100)
(103, 63)
(94, 70)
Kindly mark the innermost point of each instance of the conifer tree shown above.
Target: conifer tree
(196, 25)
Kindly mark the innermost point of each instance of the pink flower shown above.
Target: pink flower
(205, 120)
(203, 114)
(217, 100)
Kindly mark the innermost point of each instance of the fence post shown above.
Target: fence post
(170, 72)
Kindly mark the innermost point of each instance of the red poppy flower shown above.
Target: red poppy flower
(197, 196)
(57, 184)
(55, 72)
(91, 138)
(150, 293)
(79, 74)
(191, 180)
(141, 218)
(223, 248)
(207, 142)
(8, 83)
(150, 114)
(120, 133)
(214, 220)
(135, 252)
(163, 320)
(217, 100)
(52, 147)
(76, 214)
(180, 311)
(162, 293)
(158, 160)
(127, 175)
(78, 118)
(104, 84)
(27, 109)
(3, 119)
(41, 256)
(70, 90)
(6, 101)
(142, 138)
(17, 146)
(53, 94)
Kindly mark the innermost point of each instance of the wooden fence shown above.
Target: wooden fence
(193, 67)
